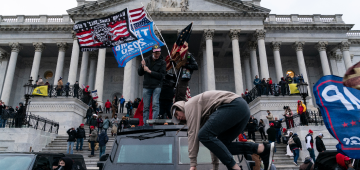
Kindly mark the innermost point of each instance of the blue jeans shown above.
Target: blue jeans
(88, 119)
(278, 135)
(274, 144)
(296, 155)
(79, 141)
(1, 122)
(223, 127)
(72, 147)
(102, 150)
(4, 122)
(147, 93)
(312, 153)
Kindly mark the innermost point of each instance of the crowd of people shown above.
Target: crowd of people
(17, 114)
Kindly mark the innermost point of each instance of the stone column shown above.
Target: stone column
(234, 35)
(260, 36)
(204, 72)
(247, 70)
(253, 58)
(39, 47)
(4, 58)
(92, 69)
(60, 61)
(129, 80)
(210, 70)
(301, 61)
(84, 67)
(275, 46)
(321, 46)
(74, 61)
(100, 72)
(15, 48)
(344, 47)
(332, 57)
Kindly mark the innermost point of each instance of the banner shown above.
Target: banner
(147, 38)
(94, 94)
(293, 88)
(340, 108)
(104, 32)
(40, 91)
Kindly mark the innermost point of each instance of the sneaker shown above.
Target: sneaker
(295, 164)
(267, 155)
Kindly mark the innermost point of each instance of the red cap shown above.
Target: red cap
(92, 127)
(82, 124)
(271, 124)
(346, 158)
(284, 129)
(310, 131)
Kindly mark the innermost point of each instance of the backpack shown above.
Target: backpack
(257, 124)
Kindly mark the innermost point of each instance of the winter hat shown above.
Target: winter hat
(310, 131)
(352, 77)
(271, 124)
(92, 127)
(320, 134)
(82, 124)
(284, 129)
(94, 115)
(307, 158)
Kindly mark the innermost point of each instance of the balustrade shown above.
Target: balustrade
(34, 19)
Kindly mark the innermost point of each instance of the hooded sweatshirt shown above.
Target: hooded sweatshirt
(68, 163)
(340, 160)
(197, 111)
(108, 104)
(301, 108)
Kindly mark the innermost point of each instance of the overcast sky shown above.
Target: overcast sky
(350, 8)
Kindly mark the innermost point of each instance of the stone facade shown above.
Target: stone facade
(232, 42)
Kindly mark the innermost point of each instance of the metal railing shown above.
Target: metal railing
(273, 90)
(16, 120)
(312, 118)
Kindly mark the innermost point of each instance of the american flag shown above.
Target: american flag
(105, 32)
(137, 14)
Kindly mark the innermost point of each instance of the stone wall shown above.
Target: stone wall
(21, 139)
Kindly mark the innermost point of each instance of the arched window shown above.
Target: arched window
(290, 73)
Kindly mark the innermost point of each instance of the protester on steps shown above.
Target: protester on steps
(93, 136)
(320, 147)
(288, 150)
(216, 118)
(106, 124)
(122, 103)
(153, 68)
(93, 121)
(76, 89)
(295, 146)
(301, 110)
(71, 140)
(115, 123)
(103, 139)
(271, 134)
(263, 87)
(277, 126)
(129, 108)
(80, 137)
(262, 130)
(89, 114)
(67, 89)
(251, 128)
(270, 117)
(100, 122)
(107, 106)
(310, 144)
(307, 165)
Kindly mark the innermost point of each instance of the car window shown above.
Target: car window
(149, 151)
(15, 162)
(42, 163)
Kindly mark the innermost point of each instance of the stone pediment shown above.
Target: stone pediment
(167, 6)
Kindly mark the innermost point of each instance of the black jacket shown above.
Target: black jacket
(289, 80)
(158, 71)
(80, 133)
(93, 122)
(320, 144)
(76, 86)
(191, 64)
(72, 135)
(135, 104)
(2, 107)
(252, 125)
(89, 112)
(271, 133)
(277, 124)
(297, 142)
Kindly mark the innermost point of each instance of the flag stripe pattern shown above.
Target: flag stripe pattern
(137, 14)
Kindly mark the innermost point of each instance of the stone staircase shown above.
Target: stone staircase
(281, 161)
(60, 143)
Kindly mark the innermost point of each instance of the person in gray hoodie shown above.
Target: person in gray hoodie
(216, 118)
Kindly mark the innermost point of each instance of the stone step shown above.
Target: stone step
(59, 144)
(283, 157)
(286, 167)
(65, 140)
(283, 161)
(65, 147)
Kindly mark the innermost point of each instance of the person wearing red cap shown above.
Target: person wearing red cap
(310, 144)
(344, 162)
(153, 68)
(80, 136)
(271, 134)
(93, 136)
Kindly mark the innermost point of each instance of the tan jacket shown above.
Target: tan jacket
(270, 117)
(197, 111)
(93, 136)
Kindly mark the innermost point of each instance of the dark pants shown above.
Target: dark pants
(107, 110)
(312, 153)
(262, 133)
(92, 145)
(278, 135)
(303, 119)
(283, 90)
(269, 89)
(287, 123)
(223, 127)
(296, 155)
(258, 88)
(76, 93)
(291, 122)
(58, 92)
(128, 112)
(181, 88)
(121, 108)
(251, 135)
(165, 107)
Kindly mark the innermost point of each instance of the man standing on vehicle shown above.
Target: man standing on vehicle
(310, 144)
(216, 118)
(153, 68)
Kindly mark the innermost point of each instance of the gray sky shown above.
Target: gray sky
(350, 8)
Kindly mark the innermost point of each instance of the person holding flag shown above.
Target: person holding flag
(153, 68)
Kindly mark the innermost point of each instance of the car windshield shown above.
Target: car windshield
(15, 162)
(149, 151)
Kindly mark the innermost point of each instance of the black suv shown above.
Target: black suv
(156, 147)
(36, 160)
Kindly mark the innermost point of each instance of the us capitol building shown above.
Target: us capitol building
(232, 41)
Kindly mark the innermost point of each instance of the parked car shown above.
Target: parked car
(36, 160)
(156, 147)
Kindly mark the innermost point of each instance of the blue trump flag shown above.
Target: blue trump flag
(147, 38)
(340, 108)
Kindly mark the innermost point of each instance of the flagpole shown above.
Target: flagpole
(135, 34)
(161, 37)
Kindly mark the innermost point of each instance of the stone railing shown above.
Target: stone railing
(304, 19)
(353, 33)
(36, 19)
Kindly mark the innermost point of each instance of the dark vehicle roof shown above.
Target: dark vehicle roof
(29, 153)
(140, 129)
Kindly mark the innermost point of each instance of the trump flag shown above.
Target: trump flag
(340, 108)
